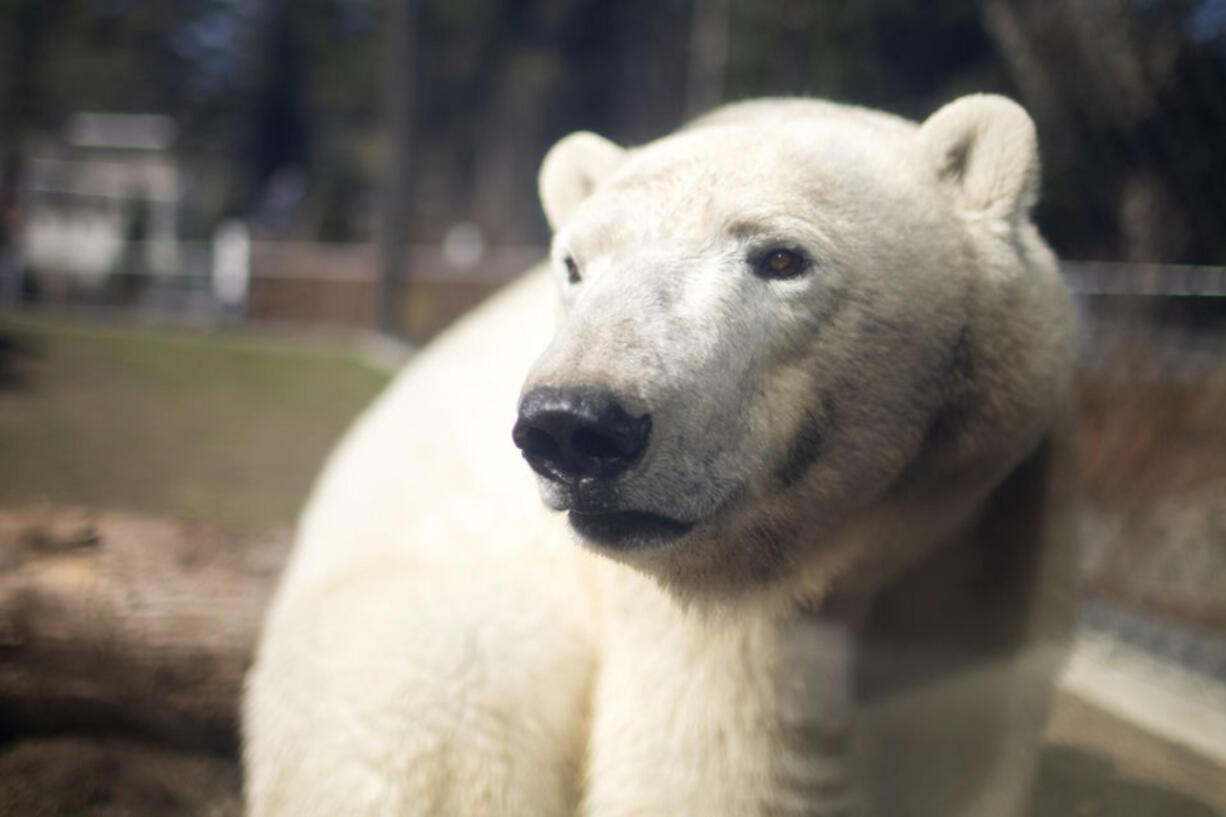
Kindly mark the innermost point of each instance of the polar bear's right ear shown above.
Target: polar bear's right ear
(571, 170)
(985, 146)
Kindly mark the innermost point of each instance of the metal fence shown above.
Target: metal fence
(286, 283)
(1152, 400)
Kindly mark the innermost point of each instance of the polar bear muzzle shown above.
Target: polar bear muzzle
(582, 440)
(570, 435)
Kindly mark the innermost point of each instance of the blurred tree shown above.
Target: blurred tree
(22, 28)
(282, 126)
(708, 65)
(903, 56)
(399, 70)
(1128, 94)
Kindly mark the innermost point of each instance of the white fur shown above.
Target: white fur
(441, 644)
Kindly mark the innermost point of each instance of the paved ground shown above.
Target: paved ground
(1099, 766)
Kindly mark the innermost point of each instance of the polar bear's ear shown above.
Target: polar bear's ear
(571, 170)
(985, 145)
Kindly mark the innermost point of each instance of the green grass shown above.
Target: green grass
(197, 426)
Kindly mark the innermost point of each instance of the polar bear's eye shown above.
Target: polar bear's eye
(572, 271)
(780, 263)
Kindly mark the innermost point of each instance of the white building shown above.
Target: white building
(100, 200)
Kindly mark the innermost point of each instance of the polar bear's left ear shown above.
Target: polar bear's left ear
(571, 170)
(985, 145)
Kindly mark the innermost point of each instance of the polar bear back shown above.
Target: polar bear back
(414, 617)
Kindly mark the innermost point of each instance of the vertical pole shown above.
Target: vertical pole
(398, 64)
(704, 87)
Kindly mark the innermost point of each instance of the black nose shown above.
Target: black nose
(568, 434)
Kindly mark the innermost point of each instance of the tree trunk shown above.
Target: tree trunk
(121, 623)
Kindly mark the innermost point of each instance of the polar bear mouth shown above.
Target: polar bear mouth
(628, 529)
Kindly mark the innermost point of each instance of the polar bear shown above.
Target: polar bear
(803, 449)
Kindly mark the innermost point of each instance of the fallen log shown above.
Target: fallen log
(115, 623)
(110, 777)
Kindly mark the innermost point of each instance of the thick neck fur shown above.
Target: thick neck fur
(766, 710)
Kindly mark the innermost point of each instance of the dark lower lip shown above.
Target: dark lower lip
(628, 530)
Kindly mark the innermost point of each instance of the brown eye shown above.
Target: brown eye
(572, 271)
(780, 264)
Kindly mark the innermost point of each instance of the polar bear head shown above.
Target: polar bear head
(790, 328)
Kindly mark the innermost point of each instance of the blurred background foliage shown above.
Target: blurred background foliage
(273, 95)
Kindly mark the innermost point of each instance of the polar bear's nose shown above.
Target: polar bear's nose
(568, 434)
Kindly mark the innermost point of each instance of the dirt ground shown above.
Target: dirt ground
(1096, 765)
